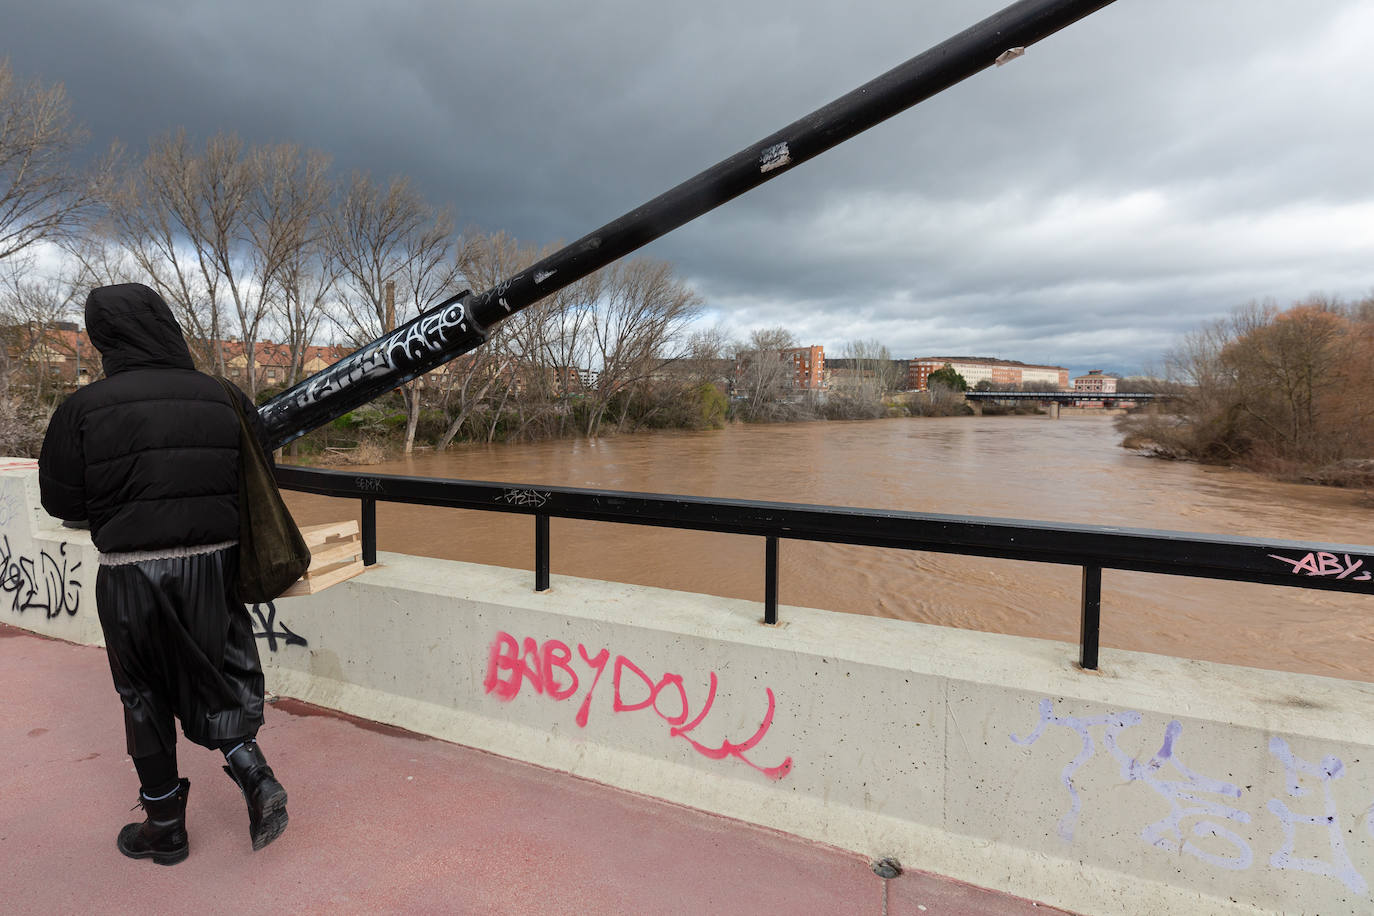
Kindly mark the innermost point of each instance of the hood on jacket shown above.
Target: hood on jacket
(134, 329)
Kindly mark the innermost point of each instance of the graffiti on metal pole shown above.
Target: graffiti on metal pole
(406, 351)
(549, 671)
(45, 583)
(1217, 821)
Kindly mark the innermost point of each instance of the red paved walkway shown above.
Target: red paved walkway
(384, 821)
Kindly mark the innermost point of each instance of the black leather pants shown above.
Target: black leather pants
(180, 644)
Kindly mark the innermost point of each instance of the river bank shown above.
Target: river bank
(377, 434)
(1347, 473)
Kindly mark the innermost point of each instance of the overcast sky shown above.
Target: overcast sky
(1141, 172)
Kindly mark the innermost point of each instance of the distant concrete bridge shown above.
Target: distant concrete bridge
(1057, 399)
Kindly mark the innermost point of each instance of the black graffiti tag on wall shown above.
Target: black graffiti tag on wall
(269, 631)
(44, 584)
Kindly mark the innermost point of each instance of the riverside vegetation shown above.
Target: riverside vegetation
(1285, 392)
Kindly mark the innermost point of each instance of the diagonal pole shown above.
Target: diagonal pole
(459, 324)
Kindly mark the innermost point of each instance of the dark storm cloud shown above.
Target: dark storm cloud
(1144, 170)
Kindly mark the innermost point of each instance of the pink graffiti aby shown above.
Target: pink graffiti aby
(1324, 563)
(549, 670)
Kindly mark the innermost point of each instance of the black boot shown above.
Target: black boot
(266, 798)
(162, 837)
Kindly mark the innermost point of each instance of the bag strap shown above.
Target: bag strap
(232, 391)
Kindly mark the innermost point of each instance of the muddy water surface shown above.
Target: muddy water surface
(1068, 470)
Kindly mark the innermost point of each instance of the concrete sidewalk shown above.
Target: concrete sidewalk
(385, 821)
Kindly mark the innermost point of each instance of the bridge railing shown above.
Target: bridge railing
(1296, 564)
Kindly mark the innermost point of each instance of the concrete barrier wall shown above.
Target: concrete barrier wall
(1157, 784)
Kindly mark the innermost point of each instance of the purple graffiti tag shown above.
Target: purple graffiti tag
(1113, 722)
(1185, 801)
(1328, 771)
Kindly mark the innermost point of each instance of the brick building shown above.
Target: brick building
(1005, 374)
(62, 352)
(808, 367)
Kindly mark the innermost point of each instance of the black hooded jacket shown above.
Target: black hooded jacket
(149, 454)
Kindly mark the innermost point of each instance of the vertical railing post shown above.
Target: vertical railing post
(770, 580)
(369, 531)
(1090, 631)
(541, 553)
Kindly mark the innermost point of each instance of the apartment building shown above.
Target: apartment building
(999, 373)
(1096, 381)
(808, 367)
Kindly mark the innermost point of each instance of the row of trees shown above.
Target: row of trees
(1280, 390)
(247, 242)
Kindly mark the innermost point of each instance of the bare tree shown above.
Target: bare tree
(32, 305)
(705, 357)
(288, 231)
(229, 235)
(642, 310)
(875, 370)
(384, 238)
(233, 224)
(484, 260)
(42, 196)
(551, 345)
(99, 259)
(763, 375)
(155, 212)
(428, 272)
(860, 378)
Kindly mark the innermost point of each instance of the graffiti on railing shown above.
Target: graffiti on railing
(45, 583)
(1204, 816)
(514, 496)
(269, 631)
(1324, 563)
(549, 670)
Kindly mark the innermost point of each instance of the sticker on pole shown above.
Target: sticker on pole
(775, 157)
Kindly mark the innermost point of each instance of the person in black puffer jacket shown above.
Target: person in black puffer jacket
(149, 456)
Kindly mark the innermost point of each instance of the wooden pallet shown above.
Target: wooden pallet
(336, 554)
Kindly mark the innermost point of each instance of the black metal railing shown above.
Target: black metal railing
(1298, 564)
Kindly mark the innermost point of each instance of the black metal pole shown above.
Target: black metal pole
(459, 324)
(369, 526)
(1090, 629)
(770, 580)
(541, 553)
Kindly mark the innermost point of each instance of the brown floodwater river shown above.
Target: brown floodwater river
(1068, 470)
